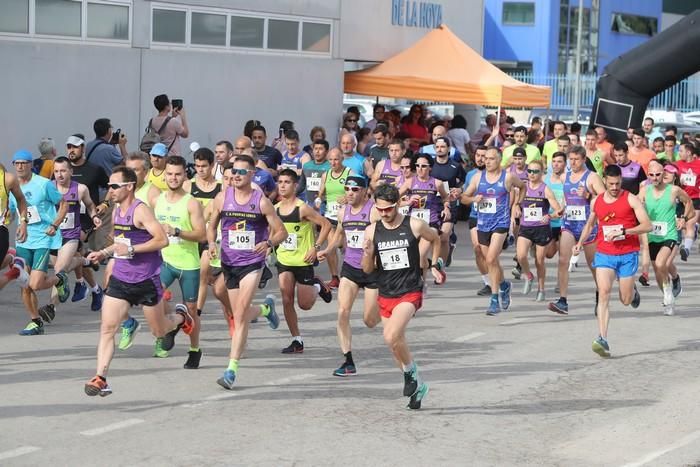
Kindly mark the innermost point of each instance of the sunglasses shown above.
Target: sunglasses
(240, 171)
(354, 189)
(385, 209)
(510, 135)
(116, 186)
(422, 166)
(351, 121)
(655, 174)
(533, 171)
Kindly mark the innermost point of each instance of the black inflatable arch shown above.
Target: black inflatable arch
(628, 83)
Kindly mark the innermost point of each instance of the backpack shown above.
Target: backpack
(151, 137)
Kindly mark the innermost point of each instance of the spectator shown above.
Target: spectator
(101, 151)
(269, 155)
(318, 133)
(47, 152)
(279, 142)
(364, 135)
(459, 135)
(176, 127)
(380, 149)
(379, 113)
(249, 126)
(350, 124)
(414, 127)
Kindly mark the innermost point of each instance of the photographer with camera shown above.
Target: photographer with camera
(102, 151)
(170, 123)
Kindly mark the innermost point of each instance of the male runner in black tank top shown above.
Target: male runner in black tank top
(391, 247)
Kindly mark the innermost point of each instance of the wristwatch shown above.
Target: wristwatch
(269, 243)
(177, 232)
(317, 246)
(130, 250)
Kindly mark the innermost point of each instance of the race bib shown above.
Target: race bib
(446, 186)
(68, 221)
(688, 179)
(290, 243)
(332, 210)
(313, 184)
(241, 240)
(173, 240)
(422, 214)
(83, 209)
(487, 206)
(533, 214)
(659, 228)
(608, 229)
(576, 213)
(123, 241)
(404, 210)
(33, 216)
(394, 259)
(288, 166)
(355, 238)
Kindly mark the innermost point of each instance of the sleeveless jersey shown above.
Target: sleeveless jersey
(494, 209)
(534, 206)
(293, 162)
(389, 175)
(157, 180)
(242, 227)
(300, 237)
(354, 225)
(313, 173)
(429, 205)
(334, 189)
(142, 266)
(398, 260)
(474, 211)
(578, 208)
(615, 214)
(630, 176)
(4, 200)
(521, 175)
(142, 193)
(662, 213)
(558, 191)
(70, 227)
(202, 196)
(180, 253)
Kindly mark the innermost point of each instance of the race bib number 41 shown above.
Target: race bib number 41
(422, 214)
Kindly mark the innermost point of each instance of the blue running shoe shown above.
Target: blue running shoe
(32, 329)
(62, 287)
(97, 297)
(272, 318)
(346, 369)
(559, 307)
(601, 347)
(415, 402)
(227, 380)
(504, 295)
(79, 292)
(494, 307)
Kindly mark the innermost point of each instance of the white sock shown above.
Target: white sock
(317, 286)
(95, 289)
(688, 243)
(81, 280)
(485, 278)
(298, 339)
(407, 368)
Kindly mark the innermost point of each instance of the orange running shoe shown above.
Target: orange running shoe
(97, 386)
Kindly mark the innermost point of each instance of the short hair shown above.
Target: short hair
(228, 165)
(564, 138)
(538, 162)
(397, 141)
(380, 129)
(204, 154)
(387, 192)
(226, 143)
(421, 155)
(286, 125)
(668, 138)
(247, 159)
(688, 146)
(494, 149)
(444, 139)
(101, 127)
(459, 122)
(176, 160)
(559, 154)
(353, 137)
(520, 129)
(620, 147)
(659, 138)
(575, 127)
(161, 101)
(292, 135)
(140, 156)
(578, 150)
(377, 106)
(558, 122)
(591, 132)
(638, 132)
(481, 147)
(612, 170)
(322, 142)
(128, 175)
(672, 128)
(315, 130)
(47, 146)
(650, 119)
(249, 126)
(535, 119)
(259, 128)
(63, 160)
(289, 173)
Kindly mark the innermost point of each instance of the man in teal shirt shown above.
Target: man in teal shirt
(314, 170)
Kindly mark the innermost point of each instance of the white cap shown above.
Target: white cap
(194, 146)
(74, 141)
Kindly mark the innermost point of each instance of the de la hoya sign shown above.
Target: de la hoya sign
(416, 14)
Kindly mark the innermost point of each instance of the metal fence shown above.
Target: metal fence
(683, 96)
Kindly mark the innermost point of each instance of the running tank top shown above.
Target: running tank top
(300, 237)
(578, 208)
(157, 180)
(534, 206)
(180, 253)
(662, 213)
(494, 209)
(202, 196)
(70, 226)
(142, 266)
(335, 188)
(293, 162)
(558, 191)
(4, 200)
(389, 175)
(521, 175)
(354, 226)
(242, 227)
(142, 193)
(429, 205)
(398, 260)
(615, 214)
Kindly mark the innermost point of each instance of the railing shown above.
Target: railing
(683, 96)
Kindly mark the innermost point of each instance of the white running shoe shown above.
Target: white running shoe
(668, 310)
(21, 266)
(668, 295)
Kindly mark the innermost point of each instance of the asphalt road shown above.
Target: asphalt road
(521, 388)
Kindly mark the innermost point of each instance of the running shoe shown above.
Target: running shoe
(266, 276)
(644, 279)
(451, 252)
(668, 310)
(677, 287)
(517, 272)
(47, 312)
(193, 358)
(186, 326)
(97, 387)
(62, 287)
(494, 307)
(504, 295)
(601, 347)
(410, 382)
(128, 333)
(21, 267)
(441, 272)
(334, 283)
(540, 296)
(159, 350)
(668, 295)
(636, 299)
(273, 319)
(684, 253)
(167, 295)
(485, 291)
(97, 297)
(32, 329)
(527, 286)
(559, 306)
(325, 292)
(294, 347)
(415, 402)
(346, 369)
(80, 292)
(226, 381)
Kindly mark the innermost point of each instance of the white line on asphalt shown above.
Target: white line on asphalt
(510, 322)
(18, 452)
(469, 337)
(671, 447)
(290, 379)
(114, 426)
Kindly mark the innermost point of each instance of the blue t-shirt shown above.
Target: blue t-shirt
(264, 180)
(42, 197)
(356, 163)
(104, 155)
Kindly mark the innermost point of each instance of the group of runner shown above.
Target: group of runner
(391, 218)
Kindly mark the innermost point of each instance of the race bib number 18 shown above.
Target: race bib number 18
(394, 259)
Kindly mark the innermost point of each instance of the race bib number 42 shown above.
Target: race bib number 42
(290, 243)
(241, 240)
(394, 259)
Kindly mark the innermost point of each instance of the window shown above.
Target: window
(208, 29)
(568, 31)
(247, 32)
(316, 37)
(282, 34)
(518, 13)
(58, 17)
(169, 26)
(107, 21)
(15, 16)
(633, 24)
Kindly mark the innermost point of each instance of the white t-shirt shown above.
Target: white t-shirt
(459, 137)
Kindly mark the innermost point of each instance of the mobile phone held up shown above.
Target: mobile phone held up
(177, 104)
(115, 137)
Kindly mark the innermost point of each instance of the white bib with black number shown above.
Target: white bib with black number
(659, 228)
(241, 240)
(422, 214)
(355, 238)
(290, 243)
(68, 221)
(688, 179)
(123, 241)
(487, 206)
(332, 210)
(608, 229)
(33, 216)
(576, 213)
(404, 210)
(394, 259)
(533, 214)
(313, 184)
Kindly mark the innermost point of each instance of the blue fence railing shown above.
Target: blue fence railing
(683, 96)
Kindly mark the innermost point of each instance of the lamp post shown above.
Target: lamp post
(577, 82)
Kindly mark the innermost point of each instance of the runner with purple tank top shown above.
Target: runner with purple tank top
(389, 170)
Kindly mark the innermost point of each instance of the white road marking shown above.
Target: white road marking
(114, 426)
(671, 447)
(290, 379)
(510, 322)
(469, 337)
(18, 452)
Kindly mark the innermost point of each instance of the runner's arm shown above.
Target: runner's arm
(198, 233)
(90, 208)
(369, 264)
(595, 184)
(144, 218)
(642, 217)
(468, 195)
(553, 203)
(308, 213)
(374, 181)
(335, 238)
(152, 195)
(12, 185)
(277, 231)
(421, 229)
(214, 216)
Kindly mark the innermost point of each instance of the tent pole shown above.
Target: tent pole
(498, 124)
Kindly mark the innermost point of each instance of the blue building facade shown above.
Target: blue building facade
(539, 36)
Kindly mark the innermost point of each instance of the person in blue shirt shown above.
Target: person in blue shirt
(43, 234)
(101, 151)
(352, 159)
(440, 131)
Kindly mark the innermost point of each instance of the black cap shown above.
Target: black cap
(355, 180)
(519, 152)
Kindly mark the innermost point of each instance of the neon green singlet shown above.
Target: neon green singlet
(335, 188)
(4, 200)
(142, 193)
(180, 253)
(662, 213)
(300, 237)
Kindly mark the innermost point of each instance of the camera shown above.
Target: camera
(177, 104)
(115, 137)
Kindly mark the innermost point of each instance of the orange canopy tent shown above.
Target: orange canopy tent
(440, 67)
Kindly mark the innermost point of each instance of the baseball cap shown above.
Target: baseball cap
(354, 180)
(671, 168)
(159, 149)
(74, 140)
(519, 152)
(22, 155)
